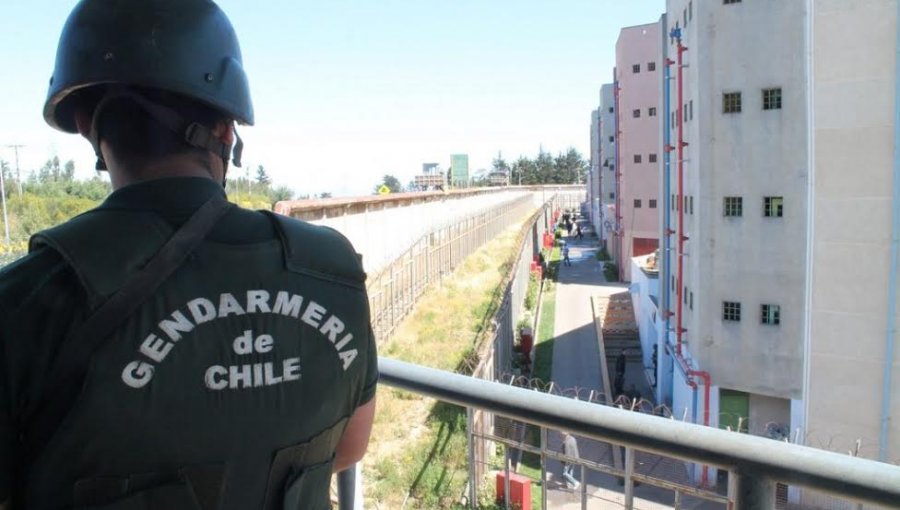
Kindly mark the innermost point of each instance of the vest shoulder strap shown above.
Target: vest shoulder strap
(104, 247)
(318, 251)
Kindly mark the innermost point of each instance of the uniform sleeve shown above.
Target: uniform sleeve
(7, 433)
(371, 376)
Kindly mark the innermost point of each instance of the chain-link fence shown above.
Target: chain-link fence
(395, 289)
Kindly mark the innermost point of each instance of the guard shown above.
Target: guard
(168, 350)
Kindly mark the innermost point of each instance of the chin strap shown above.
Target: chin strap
(193, 133)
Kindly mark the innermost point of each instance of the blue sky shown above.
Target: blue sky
(347, 91)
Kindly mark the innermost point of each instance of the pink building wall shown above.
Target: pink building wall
(639, 136)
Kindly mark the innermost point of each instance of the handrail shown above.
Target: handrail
(757, 462)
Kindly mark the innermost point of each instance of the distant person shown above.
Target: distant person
(569, 227)
(621, 361)
(570, 449)
(566, 260)
(578, 232)
(655, 359)
(618, 385)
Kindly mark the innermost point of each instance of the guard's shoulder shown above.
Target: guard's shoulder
(27, 275)
(104, 246)
(319, 251)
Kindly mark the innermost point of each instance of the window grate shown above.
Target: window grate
(731, 311)
(731, 102)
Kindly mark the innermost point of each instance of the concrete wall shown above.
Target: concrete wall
(768, 410)
(639, 136)
(853, 100)
(607, 220)
(743, 47)
(593, 182)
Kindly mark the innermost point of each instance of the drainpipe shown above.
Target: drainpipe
(679, 118)
(667, 205)
(679, 329)
(892, 279)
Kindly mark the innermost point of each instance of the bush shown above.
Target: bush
(532, 292)
(602, 254)
(611, 272)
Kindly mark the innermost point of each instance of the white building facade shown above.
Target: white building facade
(737, 200)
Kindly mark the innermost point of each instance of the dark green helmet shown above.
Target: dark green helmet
(183, 46)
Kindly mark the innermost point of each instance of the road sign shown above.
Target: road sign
(384, 190)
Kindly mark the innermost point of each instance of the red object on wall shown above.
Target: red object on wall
(527, 341)
(643, 246)
(548, 240)
(519, 490)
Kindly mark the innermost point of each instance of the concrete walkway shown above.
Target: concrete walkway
(576, 370)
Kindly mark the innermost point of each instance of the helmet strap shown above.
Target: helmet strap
(194, 133)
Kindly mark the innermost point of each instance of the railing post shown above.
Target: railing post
(470, 425)
(583, 487)
(629, 481)
(346, 486)
(544, 485)
(754, 491)
(677, 500)
(506, 477)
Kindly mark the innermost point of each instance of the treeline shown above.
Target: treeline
(53, 195)
(567, 167)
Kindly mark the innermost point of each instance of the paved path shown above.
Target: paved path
(576, 369)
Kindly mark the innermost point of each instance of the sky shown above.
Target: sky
(346, 91)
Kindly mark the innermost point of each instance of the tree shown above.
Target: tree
(68, 174)
(391, 182)
(325, 194)
(262, 177)
(280, 193)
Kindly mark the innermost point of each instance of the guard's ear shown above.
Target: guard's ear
(83, 122)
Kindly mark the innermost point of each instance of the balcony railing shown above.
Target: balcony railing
(755, 464)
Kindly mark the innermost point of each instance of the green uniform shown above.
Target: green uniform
(227, 389)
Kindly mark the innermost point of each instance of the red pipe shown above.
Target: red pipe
(690, 373)
(680, 202)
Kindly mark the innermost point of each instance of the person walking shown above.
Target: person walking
(566, 260)
(169, 350)
(570, 449)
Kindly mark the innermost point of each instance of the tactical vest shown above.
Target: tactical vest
(228, 389)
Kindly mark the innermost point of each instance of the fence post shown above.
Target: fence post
(754, 491)
(544, 485)
(629, 481)
(470, 425)
(346, 488)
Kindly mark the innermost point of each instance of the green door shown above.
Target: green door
(734, 410)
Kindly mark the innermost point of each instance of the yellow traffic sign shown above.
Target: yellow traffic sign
(384, 190)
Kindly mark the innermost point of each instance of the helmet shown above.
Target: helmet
(183, 46)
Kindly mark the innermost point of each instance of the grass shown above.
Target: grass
(530, 464)
(418, 446)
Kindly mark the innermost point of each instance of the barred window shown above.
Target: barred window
(773, 207)
(731, 311)
(637, 158)
(771, 99)
(731, 102)
(611, 139)
(726, 2)
(771, 314)
(734, 206)
(636, 68)
(651, 66)
(636, 114)
(637, 203)
(652, 203)
(651, 112)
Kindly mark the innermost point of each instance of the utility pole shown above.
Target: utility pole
(3, 197)
(16, 148)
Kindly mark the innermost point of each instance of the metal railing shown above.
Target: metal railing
(755, 464)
